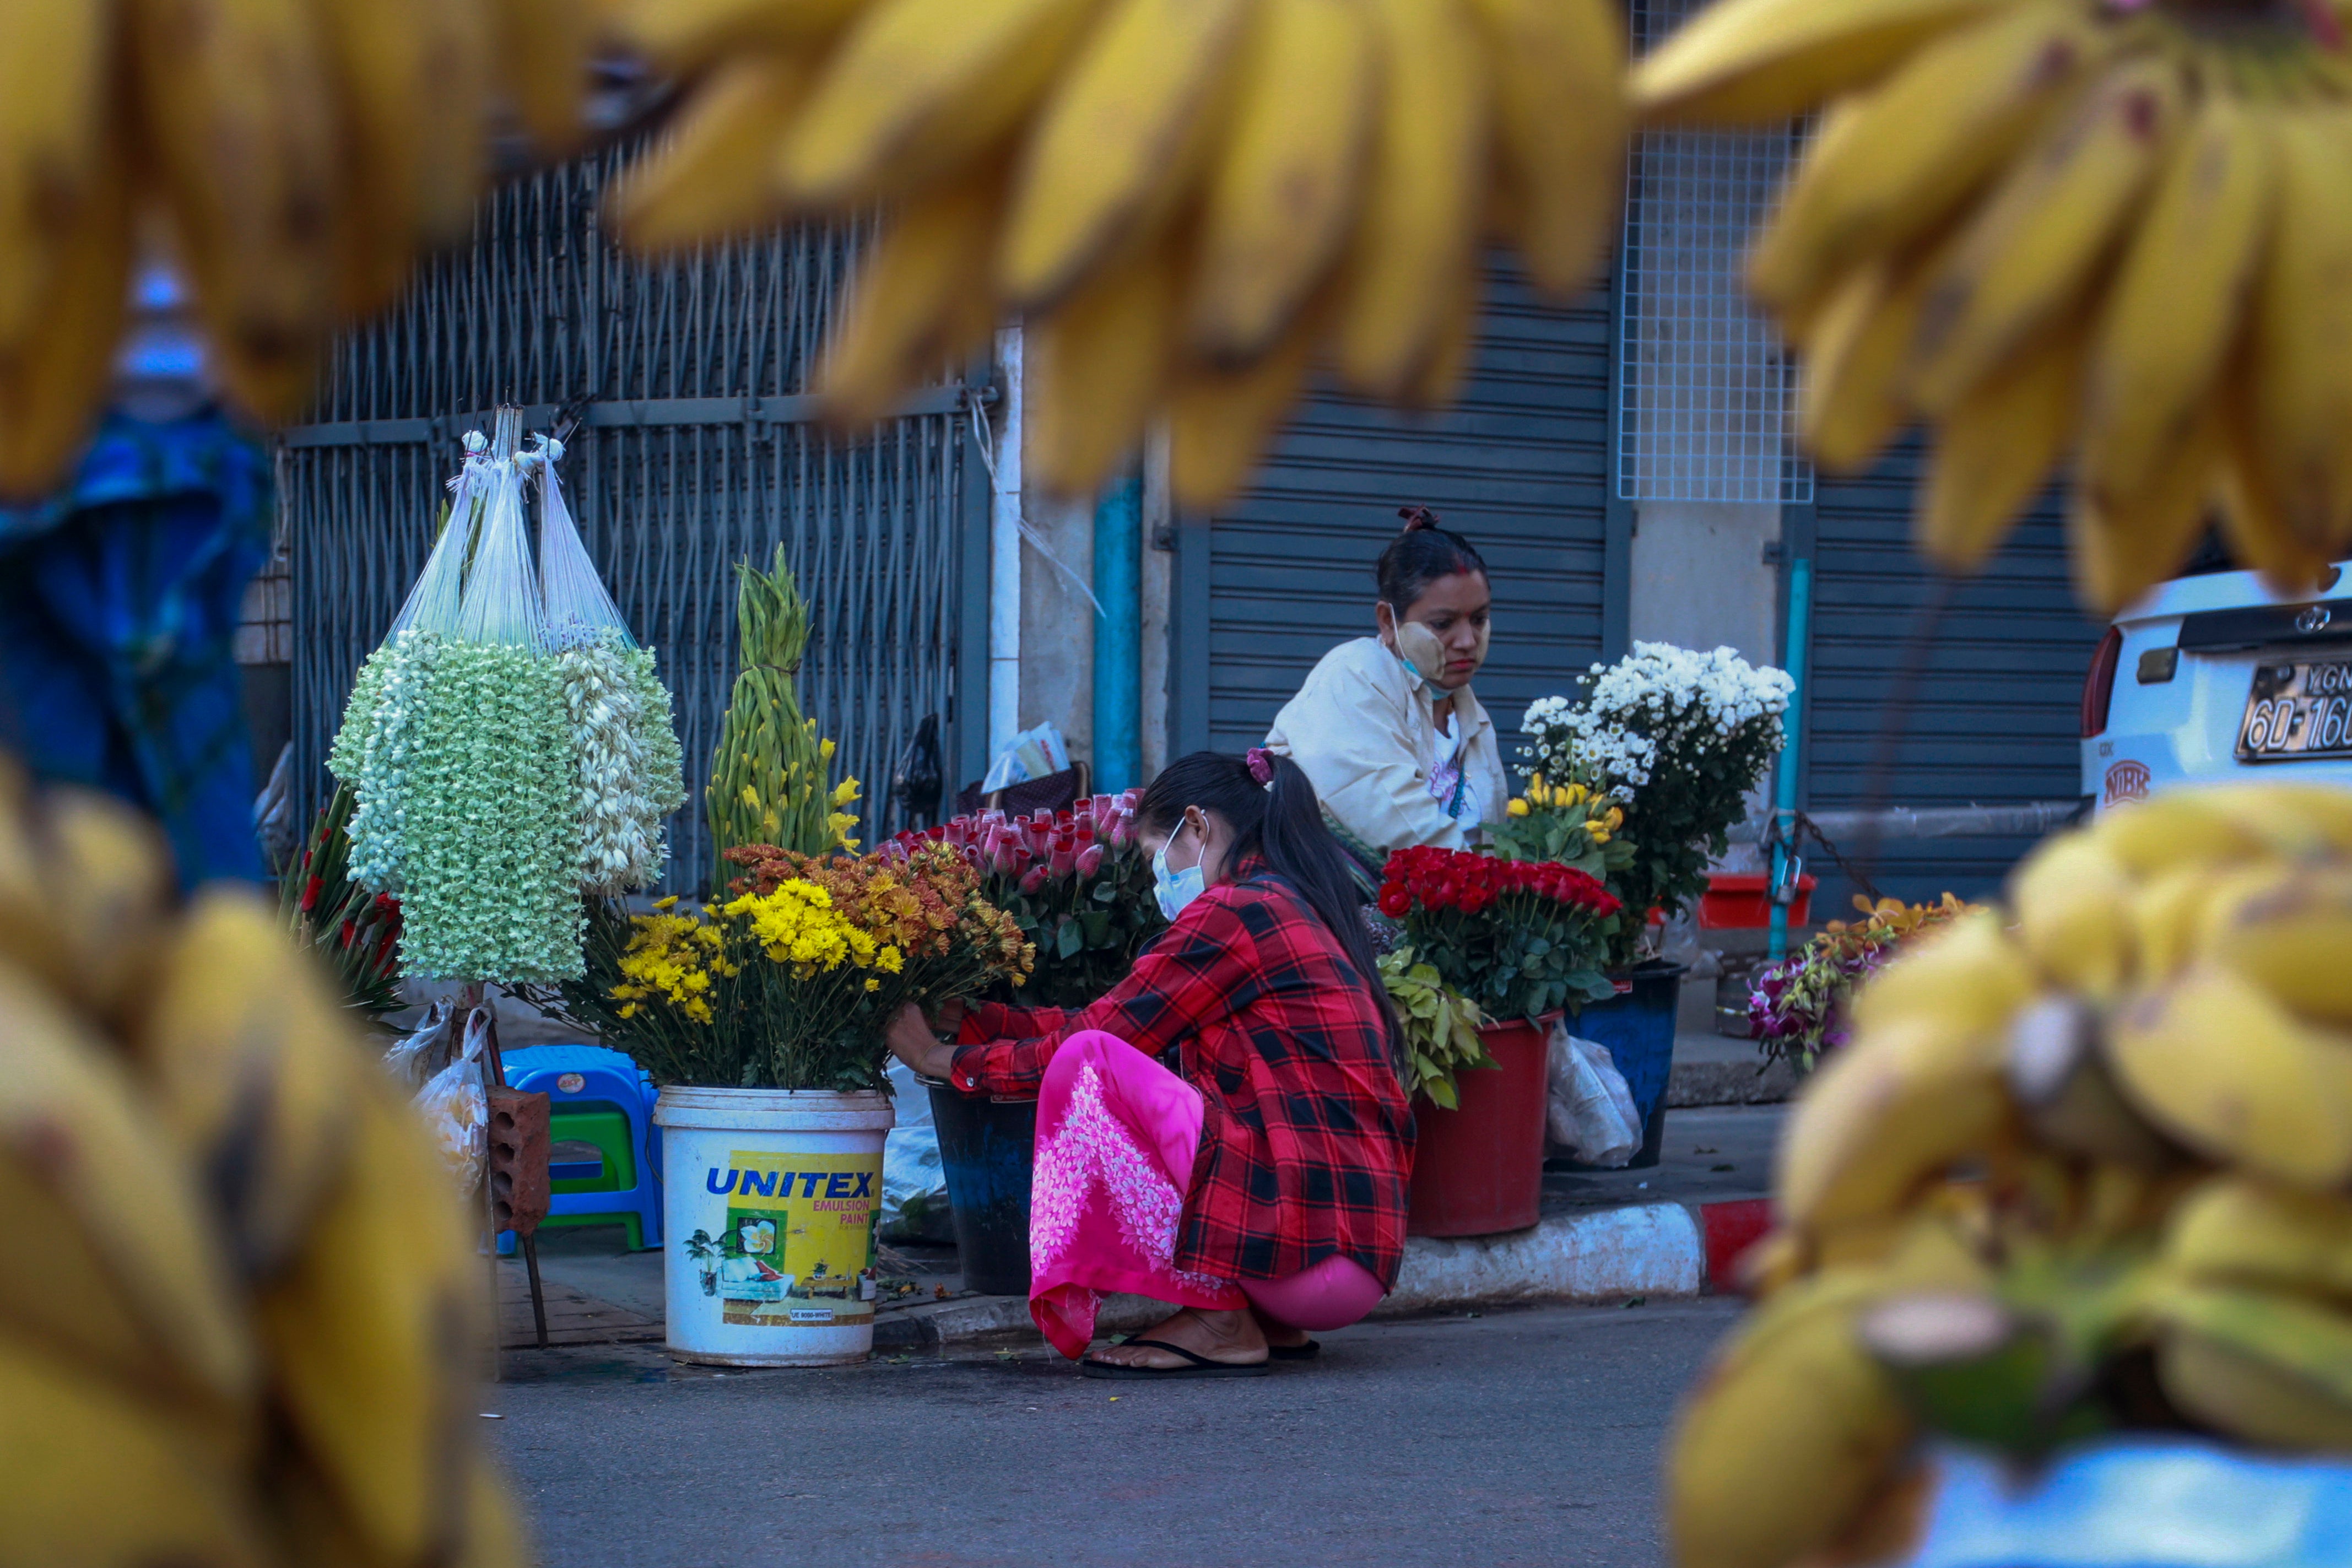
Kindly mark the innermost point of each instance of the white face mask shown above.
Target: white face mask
(1176, 888)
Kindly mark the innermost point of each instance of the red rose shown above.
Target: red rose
(1395, 902)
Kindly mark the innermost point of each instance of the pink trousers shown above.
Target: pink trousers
(1116, 1137)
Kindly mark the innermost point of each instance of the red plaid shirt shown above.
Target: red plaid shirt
(1307, 1140)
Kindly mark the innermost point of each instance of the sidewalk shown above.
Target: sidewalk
(1668, 1231)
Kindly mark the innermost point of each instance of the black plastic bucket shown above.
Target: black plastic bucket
(987, 1148)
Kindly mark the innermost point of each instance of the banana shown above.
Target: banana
(1995, 450)
(2167, 915)
(382, 63)
(2032, 251)
(687, 34)
(1286, 184)
(718, 176)
(543, 48)
(1420, 229)
(1219, 421)
(367, 1329)
(2178, 301)
(2053, 1069)
(1096, 362)
(1764, 61)
(251, 1061)
(54, 92)
(916, 88)
(2301, 340)
(54, 374)
(1891, 166)
(1969, 974)
(2253, 512)
(1447, 369)
(2071, 899)
(914, 308)
(1783, 1444)
(2270, 1369)
(2192, 827)
(2235, 1230)
(2278, 1101)
(99, 1478)
(1887, 1114)
(1560, 126)
(1119, 142)
(2124, 543)
(1849, 402)
(2292, 940)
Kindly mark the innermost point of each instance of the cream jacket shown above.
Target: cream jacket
(1363, 728)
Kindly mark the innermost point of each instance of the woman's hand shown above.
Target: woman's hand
(910, 1039)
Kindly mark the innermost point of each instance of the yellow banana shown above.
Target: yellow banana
(2302, 335)
(383, 66)
(99, 1478)
(55, 373)
(2253, 512)
(1447, 369)
(2270, 1369)
(2292, 940)
(2189, 826)
(2124, 543)
(2177, 304)
(1849, 402)
(718, 174)
(917, 87)
(1220, 421)
(1892, 164)
(54, 90)
(1995, 448)
(244, 142)
(2071, 899)
(1764, 61)
(914, 309)
(543, 48)
(1420, 228)
(1969, 973)
(1286, 185)
(689, 34)
(1118, 142)
(1559, 128)
(2032, 251)
(1095, 364)
(2302, 821)
(2233, 1230)
(367, 1328)
(2277, 1101)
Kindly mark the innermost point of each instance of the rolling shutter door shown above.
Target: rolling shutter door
(1520, 466)
(1994, 718)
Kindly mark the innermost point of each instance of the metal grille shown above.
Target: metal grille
(1707, 405)
(695, 450)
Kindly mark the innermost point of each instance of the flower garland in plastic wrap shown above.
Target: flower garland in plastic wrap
(630, 768)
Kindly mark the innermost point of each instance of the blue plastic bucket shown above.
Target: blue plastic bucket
(1637, 1025)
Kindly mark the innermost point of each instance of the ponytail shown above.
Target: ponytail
(1271, 805)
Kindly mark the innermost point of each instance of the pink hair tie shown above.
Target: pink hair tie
(1261, 766)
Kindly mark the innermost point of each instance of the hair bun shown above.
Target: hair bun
(1417, 518)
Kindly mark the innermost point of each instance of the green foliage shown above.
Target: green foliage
(1441, 1028)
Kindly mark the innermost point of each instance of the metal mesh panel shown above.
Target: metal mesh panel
(1709, 391)
(696, 450)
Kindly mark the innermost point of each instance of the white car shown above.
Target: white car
(2212, 676)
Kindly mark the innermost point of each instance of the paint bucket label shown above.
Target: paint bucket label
(796, 1240)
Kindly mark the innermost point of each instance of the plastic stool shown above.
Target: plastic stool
(591, 1079)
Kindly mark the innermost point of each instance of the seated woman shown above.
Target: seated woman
(1262, 1189)
(1399, 751)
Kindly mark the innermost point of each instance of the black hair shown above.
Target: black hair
(1282, 821)
(1425, 552)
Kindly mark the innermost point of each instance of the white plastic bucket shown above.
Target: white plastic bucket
(769, 1202)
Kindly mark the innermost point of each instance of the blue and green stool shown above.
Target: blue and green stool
(604, 1153)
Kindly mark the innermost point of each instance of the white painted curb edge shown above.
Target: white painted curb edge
(1652, 1250)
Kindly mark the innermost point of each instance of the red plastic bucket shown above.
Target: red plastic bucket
(1742, 901)
(1478, 1170)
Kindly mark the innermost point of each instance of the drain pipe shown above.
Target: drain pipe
(1792, 729)
(1005, 555)
(1118, 642)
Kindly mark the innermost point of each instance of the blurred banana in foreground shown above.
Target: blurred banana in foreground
(1185, 198)
(291, 157)
(2085, 1164)
(249, 1315)
(2122, 230)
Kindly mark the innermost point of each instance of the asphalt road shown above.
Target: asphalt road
(1508, 1439)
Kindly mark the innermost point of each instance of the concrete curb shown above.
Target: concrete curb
(1594, 1255)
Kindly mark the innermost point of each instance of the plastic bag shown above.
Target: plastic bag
(456, 1108)
(426, 1051)
(1032, 754)
(1591, 1110)
(914, 1183)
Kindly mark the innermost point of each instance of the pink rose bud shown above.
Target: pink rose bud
(1033, 880)
(972, 858)
(1090, 859)
(1065, 860)
(1119, 833)
(936, 833)
(1101, 803)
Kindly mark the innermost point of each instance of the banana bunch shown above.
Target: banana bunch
(2056, 230)
(239, 1328)
(1190, 202)
(290, 156)
(2085, 1165)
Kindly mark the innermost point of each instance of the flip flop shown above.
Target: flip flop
(1202, 1366)
(1306, 1351)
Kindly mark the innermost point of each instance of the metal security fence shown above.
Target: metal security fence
(1708, 391)
(695, 447)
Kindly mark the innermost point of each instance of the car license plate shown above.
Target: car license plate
(2297, 711)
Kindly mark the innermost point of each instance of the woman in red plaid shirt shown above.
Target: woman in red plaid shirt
(1262, 1189)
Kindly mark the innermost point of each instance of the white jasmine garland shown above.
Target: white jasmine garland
(629, 782)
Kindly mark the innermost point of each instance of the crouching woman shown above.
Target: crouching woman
(1261, 1185)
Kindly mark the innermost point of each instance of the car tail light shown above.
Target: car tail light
(2099, 683)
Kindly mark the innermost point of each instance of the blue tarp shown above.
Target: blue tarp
(119, 604)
